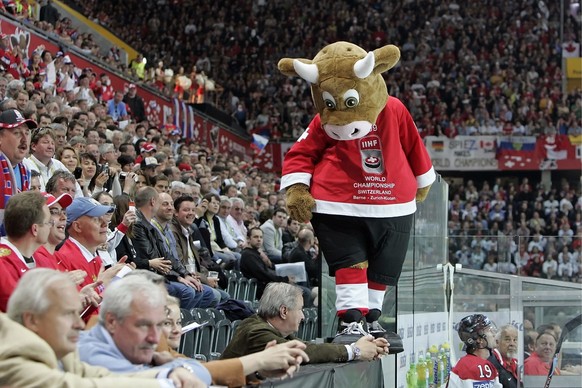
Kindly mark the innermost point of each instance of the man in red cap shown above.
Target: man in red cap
(44, 255)
(146, 150)
(27, 223)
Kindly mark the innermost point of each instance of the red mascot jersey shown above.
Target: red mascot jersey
(474, 372)
(376, 176)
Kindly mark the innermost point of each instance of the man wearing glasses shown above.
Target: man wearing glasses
(27, 222)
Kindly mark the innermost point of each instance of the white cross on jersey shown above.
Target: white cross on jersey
(303, 135)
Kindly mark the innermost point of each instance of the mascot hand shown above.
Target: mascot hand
(421, 193)
(300, 202)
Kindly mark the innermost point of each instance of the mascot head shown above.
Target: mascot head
(346, 85)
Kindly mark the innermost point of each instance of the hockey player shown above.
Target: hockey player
(474, 370)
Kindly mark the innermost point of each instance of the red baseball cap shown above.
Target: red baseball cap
(12, 118)
(147, 147)
(64, 199)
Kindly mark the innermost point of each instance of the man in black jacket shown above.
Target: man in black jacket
(135, 104)
(151, 254)
(254, 263)
(302, 253)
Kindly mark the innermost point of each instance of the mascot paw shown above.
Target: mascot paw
(300, 202)
(422, 193)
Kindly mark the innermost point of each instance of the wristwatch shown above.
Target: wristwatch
(356, 351)
(187, 367)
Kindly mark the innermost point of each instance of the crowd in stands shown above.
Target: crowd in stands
(466, 68)
(517, 227)
(449, 67)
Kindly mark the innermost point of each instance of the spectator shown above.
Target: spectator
(566, 269)
(228, 233)
(504, 356)
(529, 342)
(149, 167)
(268, 360)
(116, 108)
(115, 344)
(278, 317)
(87, 230)
(236, 220)
(27, 224)
(42, 149)
(303, 253)
(538, 363)
(209, 226)
(134, 104)
(44, 255)
(161, 183)
(15, 143)
(273, 230)
(34, 181)
(46, 303)
(151, 254)
(162, 222)
(255, 263)
(107, 251)
(177, 189)
(290, 234)
(190, 246)
(550, 267)
(63, 182)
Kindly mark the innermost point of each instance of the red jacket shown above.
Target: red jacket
(71, 258)
(12, 267)
(375, 176)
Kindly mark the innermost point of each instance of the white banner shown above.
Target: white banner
(463, 153)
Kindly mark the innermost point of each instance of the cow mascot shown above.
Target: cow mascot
(357, 172)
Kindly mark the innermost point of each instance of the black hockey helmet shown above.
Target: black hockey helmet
(473, 327)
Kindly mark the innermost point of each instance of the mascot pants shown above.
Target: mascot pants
(346, 241)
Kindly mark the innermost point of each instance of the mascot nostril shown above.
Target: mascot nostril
(341, 179)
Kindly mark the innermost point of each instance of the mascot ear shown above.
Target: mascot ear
(386, 58)
(304, 68)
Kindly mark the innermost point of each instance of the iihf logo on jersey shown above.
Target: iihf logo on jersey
(371, 152)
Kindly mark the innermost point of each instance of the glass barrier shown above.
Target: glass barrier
(547, 257)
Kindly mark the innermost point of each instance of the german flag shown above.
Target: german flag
(438, 145)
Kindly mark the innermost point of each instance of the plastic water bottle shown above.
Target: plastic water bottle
(431, 365)
(441, 369)
(447, 349)
(422, 372)
(411, 375)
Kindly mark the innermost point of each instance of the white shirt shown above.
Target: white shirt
(32, 163)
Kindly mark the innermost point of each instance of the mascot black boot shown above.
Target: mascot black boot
(375, 329)
(351, 327)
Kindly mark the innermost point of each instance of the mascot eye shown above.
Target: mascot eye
(351, 102)
(328, 100)
(351, 98)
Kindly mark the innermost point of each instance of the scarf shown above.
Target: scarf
(7, 184)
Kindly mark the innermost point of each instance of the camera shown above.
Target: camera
(78, 172)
